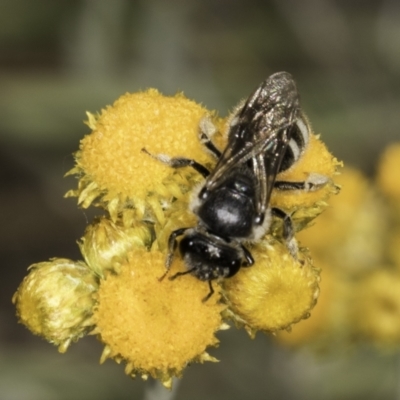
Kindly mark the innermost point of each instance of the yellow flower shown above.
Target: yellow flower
(276, 292)
(156, 327)
(114, 171)
(56, 301)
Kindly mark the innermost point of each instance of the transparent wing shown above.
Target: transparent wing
(266, 166)
(260, 132)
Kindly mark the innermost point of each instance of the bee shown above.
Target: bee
(267, 134)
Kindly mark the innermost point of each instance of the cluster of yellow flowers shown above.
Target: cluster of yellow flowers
(158, 327)
(357, 244)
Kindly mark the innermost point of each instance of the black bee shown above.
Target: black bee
(267, 134)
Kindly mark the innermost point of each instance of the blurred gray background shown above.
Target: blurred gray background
(61, 58)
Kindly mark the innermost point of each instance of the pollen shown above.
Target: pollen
(157, 327)
(276, 292)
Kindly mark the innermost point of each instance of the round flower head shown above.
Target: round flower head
(275, 292)
(156, 327)
(56, 301)
(114, 170)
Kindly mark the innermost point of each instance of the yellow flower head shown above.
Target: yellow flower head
(276, 292)
(156, 327)
(56, 301)
(114, 170)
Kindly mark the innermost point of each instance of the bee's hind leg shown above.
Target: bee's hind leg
(313, 182)
(288, 231)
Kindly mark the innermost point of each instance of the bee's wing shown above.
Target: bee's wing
(266, 166)
(260, 131)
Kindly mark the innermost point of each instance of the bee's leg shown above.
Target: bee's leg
(248, 257)
(180, 162)
(210, 293)
(206, 131)
(312, 183)
(189, 271)
(171, 249)
(288, 230)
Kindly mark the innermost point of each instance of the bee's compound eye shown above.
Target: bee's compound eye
(233, 267)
